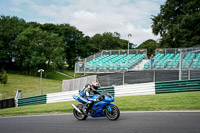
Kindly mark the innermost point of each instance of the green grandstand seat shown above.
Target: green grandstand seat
(94, 67)
(196, 62)
(111, 66)
(163, 62)
(114, 62)
(115, 67)
(122, 66)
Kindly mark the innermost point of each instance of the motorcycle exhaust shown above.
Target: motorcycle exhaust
(76, 108)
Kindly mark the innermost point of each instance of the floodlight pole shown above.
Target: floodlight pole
(129, 35)
(128, 47)
(41, 70)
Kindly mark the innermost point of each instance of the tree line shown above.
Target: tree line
(177, 23)
(29, 46)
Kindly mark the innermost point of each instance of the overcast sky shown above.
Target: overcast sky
(91, 16)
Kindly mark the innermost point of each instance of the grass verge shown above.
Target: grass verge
(29, 85)
(173, 101)
(50, 75)
(71, 73)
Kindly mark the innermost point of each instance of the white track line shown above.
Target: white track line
(123, 112)
(36, 115)
(173, 111)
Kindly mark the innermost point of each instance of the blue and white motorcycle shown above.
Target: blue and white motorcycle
(102, 108)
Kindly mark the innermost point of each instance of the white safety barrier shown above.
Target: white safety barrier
(135, 89)
(78, 83)
(61, 96)
(122, 90)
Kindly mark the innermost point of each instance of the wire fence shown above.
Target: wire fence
(169, 59)
(45, 91)
(174, 50)
(78, 83)
(145, 76)
(189, 64)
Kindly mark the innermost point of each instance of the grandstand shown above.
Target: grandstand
(168, 59)
(117, 67)
(171, 61)
(110, 61)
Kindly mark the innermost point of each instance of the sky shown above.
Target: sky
(91, 16)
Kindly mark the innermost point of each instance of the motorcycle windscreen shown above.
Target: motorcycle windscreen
(109, 99)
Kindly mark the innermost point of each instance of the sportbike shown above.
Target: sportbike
(102, 108)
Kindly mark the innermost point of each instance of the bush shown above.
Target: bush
(4, 78)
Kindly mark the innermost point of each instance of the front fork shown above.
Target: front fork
(77, 109)
(109, 107)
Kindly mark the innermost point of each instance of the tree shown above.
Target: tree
(108, 41)
(54, 50)
(150, 45)
(178, 23)
(72, 39)
(10, 27)
(33, 24)
(31, 45)
(73, 43)
(38, 49)
(87, 48)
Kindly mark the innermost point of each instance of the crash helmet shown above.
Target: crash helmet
(95, 85)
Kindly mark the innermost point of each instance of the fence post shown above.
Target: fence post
(180, 65)
(189, 73)
(123, 77)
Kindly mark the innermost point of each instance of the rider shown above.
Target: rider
(87, 91)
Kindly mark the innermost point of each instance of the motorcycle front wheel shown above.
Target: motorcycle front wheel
(79, 116)
(114, 114)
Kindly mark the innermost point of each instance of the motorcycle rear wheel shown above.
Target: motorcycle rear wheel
(79, 116)
(114, 114)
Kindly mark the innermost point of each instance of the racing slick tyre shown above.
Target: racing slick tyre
(78, 115)
(114, 114)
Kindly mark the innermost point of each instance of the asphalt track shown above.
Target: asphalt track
(129, 122)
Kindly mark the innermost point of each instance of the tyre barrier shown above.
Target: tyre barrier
(7, 103)
(122, 90)
(109, 89)
(177, 86)
(32, 100)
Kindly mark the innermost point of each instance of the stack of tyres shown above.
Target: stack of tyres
(7, 103)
